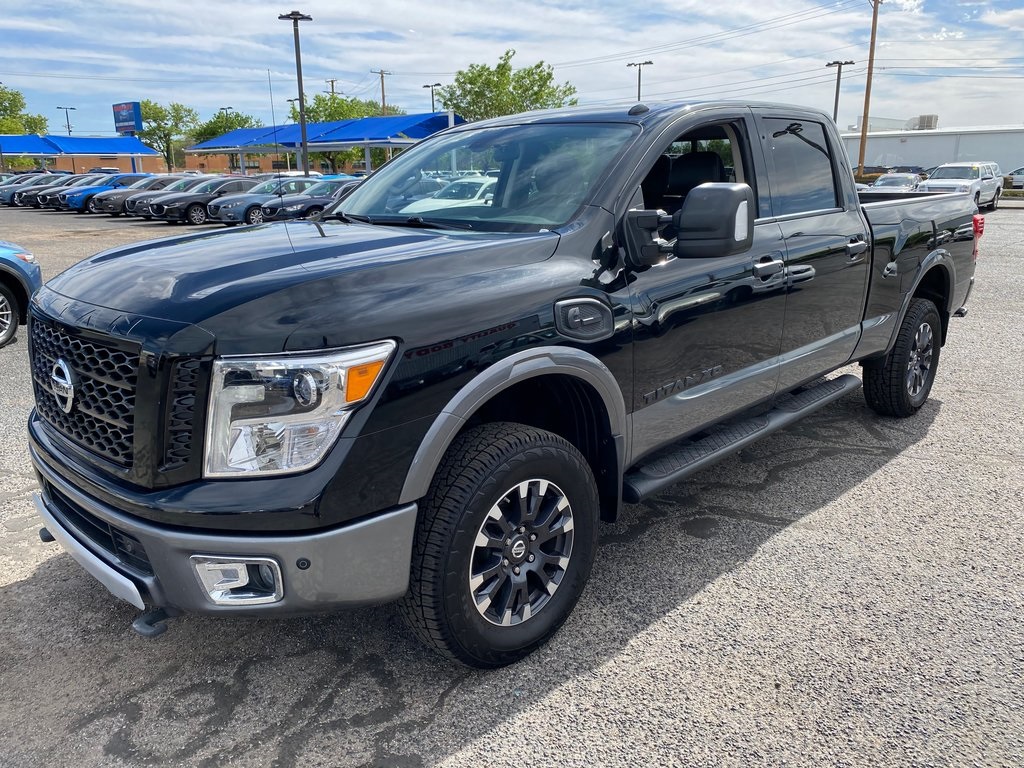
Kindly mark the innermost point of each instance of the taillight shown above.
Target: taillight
(979, 225)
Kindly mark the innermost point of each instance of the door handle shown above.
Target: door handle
(856, 248)
(768, 268)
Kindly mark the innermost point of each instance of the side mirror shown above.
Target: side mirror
(987, 178)
(715, 220)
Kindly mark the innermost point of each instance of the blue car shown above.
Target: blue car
(80, 199)
(20, 277)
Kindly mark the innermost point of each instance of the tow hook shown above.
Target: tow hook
(45, 536)
(152, 623)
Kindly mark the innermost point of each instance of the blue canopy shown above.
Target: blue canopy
(51, 146)
(393, 130)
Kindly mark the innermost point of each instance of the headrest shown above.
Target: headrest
(693, 169)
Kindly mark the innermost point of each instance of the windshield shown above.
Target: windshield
(207, 186)
(956, 172)
(183, 184)
(543, 174)
(145, 183)
(323, 188)
(265, 188)
(895, 181)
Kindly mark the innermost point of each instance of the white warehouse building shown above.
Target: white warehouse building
(1003, 145)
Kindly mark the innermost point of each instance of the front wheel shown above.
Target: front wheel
(504, 545)
(9, 311)
(899, 384)
(196, 214)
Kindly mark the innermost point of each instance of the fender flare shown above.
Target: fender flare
(527, 364)
(941, 259)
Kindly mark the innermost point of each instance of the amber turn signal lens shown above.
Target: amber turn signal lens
(359, 380)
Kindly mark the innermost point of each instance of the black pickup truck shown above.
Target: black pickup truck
(439, 405)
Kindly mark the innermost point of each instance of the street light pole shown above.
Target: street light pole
(295, 17)
(639, 68)
(839, 77)
(432, 86)
(67, 121)
(867, 89)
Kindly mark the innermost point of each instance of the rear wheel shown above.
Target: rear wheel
(9, 312)
(899, 384)
(504, 546)
(995, 201)
(196, 214)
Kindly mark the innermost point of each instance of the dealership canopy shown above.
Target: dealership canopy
(32, 145)
(389, 131)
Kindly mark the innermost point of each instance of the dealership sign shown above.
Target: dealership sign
(128, 117)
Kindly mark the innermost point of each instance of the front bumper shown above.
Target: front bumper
(109, 205)
(145, 564)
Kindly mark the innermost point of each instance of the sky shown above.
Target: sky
(961, 60)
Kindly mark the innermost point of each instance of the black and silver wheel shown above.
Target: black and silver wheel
(16, 198)
(196, 214)
(504, 545)
(315, 209)
(995, 201)
(254, 215)
(8, 314)
(899, 384)
(92, 205)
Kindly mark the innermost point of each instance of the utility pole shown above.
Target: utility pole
(331, 81)
(383, 104)
(639, 68)
(839, 77)
(867, 89)
(67, 119)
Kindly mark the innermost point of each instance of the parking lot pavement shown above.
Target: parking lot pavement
(847, 592)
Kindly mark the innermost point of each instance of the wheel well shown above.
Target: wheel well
(934, 286)
(20, 295)
(572, 409)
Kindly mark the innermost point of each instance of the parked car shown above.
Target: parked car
(313, 200)
(982, 181)
(247, 208)
(1016, 177)
(139, 203)
(293, 420)
(20, 277)
(457, 194)
(915, 169)
(36, 197)
(190, 206)
(23, 182)
(897, 182)
(113, 200)
(82, 200)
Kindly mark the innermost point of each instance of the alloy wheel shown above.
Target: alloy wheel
(521, 552)
(920, 362)
(6, 315)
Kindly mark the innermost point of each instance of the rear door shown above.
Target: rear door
(826, 241)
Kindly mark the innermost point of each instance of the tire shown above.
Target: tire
(493, 620)
(899, 384)
(995, 201)
(977, 200)
(195, 214)
(254, 215)
(92, 205)
(9, 311)
(148, 218)
(312, 210)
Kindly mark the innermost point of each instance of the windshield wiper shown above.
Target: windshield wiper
(419, 221)
(348, 218)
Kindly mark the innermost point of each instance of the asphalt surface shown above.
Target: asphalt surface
(847, 592)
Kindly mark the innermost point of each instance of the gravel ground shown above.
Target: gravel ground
(847, 592)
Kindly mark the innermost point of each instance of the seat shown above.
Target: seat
(655, 183)
(689, 171)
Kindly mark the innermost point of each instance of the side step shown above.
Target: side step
(678, 462)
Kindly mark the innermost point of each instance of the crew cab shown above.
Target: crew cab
(439, 408)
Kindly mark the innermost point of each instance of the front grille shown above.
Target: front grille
(181, 415)
(119, 544)
(103, 411)
(156, 209)
(129, 204)
(213, 208)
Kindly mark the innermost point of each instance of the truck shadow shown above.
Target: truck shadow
(356, 688)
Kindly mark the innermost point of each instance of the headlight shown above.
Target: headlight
(225, 206)
(282, 414)
(963, 188)
(296, 207)
(177, 204)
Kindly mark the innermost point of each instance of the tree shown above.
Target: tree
(222, 123)
(13, 118)
(483, 91)
(329, 107)
(164, 127)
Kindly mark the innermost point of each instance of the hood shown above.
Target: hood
(72, 191)
(254, 287)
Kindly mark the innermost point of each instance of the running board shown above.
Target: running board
(675, 463)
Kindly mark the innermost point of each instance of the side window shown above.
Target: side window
(802, 179)
(717, 152)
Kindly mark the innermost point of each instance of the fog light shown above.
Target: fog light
(228, 580)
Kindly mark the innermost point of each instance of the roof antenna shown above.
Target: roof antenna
(638, 109)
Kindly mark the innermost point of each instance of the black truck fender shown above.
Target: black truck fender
(607, 458)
